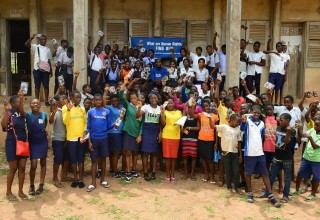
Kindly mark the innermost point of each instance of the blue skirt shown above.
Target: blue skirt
(115, 141)
(150, 134)
(38, 145)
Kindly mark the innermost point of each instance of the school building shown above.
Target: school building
(294, 21)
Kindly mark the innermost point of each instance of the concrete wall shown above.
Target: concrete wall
(298, 10)
(56, 9)
(14, 9)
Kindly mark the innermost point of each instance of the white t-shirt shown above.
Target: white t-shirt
(243, 63)
(286, 58)
(253, 142)
(255, 57)
(213, 58)
(45, 54)
(222, 62)
(276, 63)
(64, 59)
(295, 113)
(97, 64)
(184, 72)
(195, 58)
(60, 50)
(151, 115)
(202, 75)
(202, 95)
(173, 73)
(229, 137)
(147, 60)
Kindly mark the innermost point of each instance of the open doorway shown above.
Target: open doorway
(19, 56)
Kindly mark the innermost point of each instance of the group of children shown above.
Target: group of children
(169, 113)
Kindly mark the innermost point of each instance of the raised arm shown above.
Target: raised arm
(162, 117)
(21, 106)
(300, 105)
(193, 107)
(75, 79)
(139, 111)
(214, 43)
(89, 43)
(269, 45)
(186, 47)
(28, 42)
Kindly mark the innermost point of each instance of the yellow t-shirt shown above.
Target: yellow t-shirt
(170, 130)
(75, 121)
(223, 115)
(310, 124)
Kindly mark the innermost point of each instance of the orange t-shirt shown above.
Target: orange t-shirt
(206, 133)
(125, 72)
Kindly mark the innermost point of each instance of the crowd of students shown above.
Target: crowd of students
(134, 105)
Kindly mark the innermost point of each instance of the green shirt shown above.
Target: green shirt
(310, 153)
(132, 126)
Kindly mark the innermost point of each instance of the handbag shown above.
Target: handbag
(22, 147)
(43, 65)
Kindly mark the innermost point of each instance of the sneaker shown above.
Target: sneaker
(111, 170)
(123, 173)
(135, 174)
(32, 191)
(81, 184)
(74, 184)
(128, 179)
(146, 177)
(116, 175)
(153, 176)
(40, 189)
(98, 175)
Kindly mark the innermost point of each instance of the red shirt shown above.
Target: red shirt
(237, 103)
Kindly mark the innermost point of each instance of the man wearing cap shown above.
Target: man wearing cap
(42, 70)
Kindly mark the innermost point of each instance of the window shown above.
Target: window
(174, 28)
(198, 34)
(116, 31)
(313, 45)
(140, 28)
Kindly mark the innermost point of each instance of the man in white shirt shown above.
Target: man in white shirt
(212, 60)
(42, 70)
(256, 60)
(57, 51)
(65, 63)
(277, 63)
(286, 67)
(222, 60)
(243, 64)
(195, 57)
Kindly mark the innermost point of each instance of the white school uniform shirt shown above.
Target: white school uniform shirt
(173, 73)
(195, 58)
(253, 143)
(222, 62)
(256, 57)
(294, 112)
(151, 115)
(64, 59)
(147, 60)
(60, 50)
(45, 54)
(202, 75)
(276, 63)
(97, 64)
(184, 72)
(213, 58)
(286, 58)
(243, 64)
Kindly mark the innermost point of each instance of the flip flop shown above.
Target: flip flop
(105, 184)
(284, 200)
(90, 188)
(167, 179)
(23, 196)
(310, 198)
(204, 180)
(274, 201)
(12, 198)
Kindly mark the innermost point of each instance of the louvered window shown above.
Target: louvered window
(313, 45)
(174, 28)
(199, 34)
(116, 30)
(54, 29)
(140, 28)
(70, 32)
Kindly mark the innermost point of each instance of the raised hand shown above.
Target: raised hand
(76, 74)
(20, 94)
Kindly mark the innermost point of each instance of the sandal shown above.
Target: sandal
(303, 190)
(204, 180)
(105, 184)
(263, 195)
(250, 198)
(167, 179)
(90, 188)
(212, 182)
(81, 184)
(284, 199)
(11, 197)
(310, 198)
(294, 193)
(274, 201)
(23, 196)
(173, 179)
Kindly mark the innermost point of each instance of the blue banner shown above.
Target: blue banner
(162, 46)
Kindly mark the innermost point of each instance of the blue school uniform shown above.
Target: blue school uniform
(37, 136)
(20, 129)
(115, 136)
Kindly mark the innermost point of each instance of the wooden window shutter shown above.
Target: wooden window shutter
(313, 45)
(140, 28)
(199, 34)
(174, 28)
(54, 29)
(258, 31)
(116, 30)
(70, 32)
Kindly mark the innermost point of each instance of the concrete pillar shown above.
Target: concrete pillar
(233, 42)
(276, 21)
(157, 8)
(34, 22)
(217, 19)
(5, 86)
(97, 10)
(80, 30)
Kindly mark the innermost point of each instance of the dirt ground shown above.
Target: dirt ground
(146, 200)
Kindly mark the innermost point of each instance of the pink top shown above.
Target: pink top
(181, 106)
(270, 134)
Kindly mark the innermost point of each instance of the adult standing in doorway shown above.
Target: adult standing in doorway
(42, 70)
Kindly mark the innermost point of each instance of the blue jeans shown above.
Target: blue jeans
(276, 166)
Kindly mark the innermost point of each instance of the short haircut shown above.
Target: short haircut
(243, 40)
(234, 117)
(13, 99)
(205, 101)
(97, 95)
(63, 41)
(96, 47)
(228, 99)
(182, 49)
(85, 86)
(112, 96)
(74, 92)
(286, 116)
(86, 99)
(268, 104)
(56, 97)
(257, 42)
(256, 107)
(278, 43)
(223, 46)
(209, 46)
(202, 60)
(200, 48)
(150, 50)
(289, 97)
(70, 50)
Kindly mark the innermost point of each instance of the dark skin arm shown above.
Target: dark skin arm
(287, 138)
(186, 48)
(217, 93)
(214, 44)
(5, 118)
(244, 84)
(88, 47)
(21, 106)
(192, 114)
(313, 144)
(162, 118)
(75, 79)
(240, 151)
(28, 42)
(300, 105)
(53, 113)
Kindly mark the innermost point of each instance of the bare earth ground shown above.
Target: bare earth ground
(145, 200)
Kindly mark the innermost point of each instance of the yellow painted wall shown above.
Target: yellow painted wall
(56, 9)
(312, 79)
(298, 10)
(187, 10)
(128, 9)
(6, 7)
(255, 9)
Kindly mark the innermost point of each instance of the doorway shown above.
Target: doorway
(19, 56)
